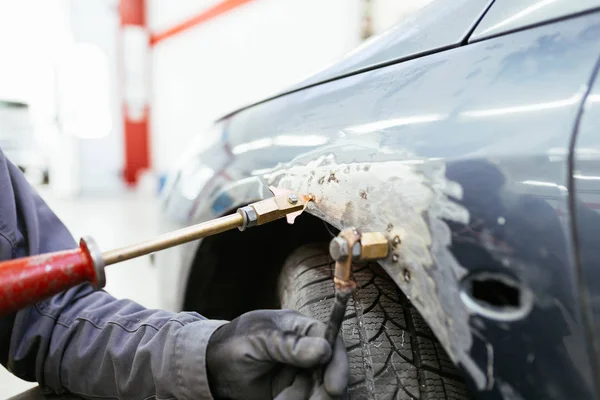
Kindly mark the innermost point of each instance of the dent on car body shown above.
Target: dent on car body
(410, 203)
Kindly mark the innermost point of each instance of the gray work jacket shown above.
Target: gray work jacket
(87, 342)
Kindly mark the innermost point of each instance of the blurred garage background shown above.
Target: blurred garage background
(98, 98)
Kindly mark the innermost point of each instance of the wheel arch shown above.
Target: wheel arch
(236, 272)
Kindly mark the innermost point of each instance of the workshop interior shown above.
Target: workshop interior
(417, 181)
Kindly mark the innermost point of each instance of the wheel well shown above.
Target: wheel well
(236, 272)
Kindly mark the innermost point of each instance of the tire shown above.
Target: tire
(392, 352)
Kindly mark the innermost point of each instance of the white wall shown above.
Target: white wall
(387, 13)
(29, 45)
(251, 52)
(95, 26)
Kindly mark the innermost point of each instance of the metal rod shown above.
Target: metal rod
(337, 314)
(332, 330)
(174, 238)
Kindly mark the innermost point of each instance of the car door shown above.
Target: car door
(585, 186)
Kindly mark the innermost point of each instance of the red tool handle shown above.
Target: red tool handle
(26, 281)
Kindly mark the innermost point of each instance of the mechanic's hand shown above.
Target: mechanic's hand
(272, 355)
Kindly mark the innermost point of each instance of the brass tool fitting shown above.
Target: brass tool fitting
(350, 245)
(273, 208)
(284, 204)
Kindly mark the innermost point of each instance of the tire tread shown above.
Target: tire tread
(392, 352)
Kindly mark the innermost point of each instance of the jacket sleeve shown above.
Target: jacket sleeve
(86, 342)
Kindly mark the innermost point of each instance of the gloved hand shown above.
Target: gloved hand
(272, 355)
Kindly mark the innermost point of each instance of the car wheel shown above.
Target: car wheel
(392, 352)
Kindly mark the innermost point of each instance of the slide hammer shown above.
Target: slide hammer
(26, 281)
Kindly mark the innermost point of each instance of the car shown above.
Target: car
(468, 136)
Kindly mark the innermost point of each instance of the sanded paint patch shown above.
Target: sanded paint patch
(410, 202)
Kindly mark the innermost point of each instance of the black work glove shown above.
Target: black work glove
(272, 355)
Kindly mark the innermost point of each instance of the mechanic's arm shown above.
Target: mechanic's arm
(88, 342)
(91, 344)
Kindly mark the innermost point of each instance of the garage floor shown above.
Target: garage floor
(111, 221)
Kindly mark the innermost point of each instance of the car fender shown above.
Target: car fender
(410, 202)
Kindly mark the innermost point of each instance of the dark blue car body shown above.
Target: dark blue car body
(471, 132)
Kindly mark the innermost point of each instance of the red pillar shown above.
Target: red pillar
(135, 84)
